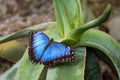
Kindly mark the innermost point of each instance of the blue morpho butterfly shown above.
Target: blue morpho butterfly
(46, 51)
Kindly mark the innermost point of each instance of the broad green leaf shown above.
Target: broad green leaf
(12, 50)
(68, 15)
(107, 60)
(75, 34)
(106, 44)
(43, 74)
(24, 32)
(28, 70)
(70, 71)
(88, 15)
(92, 68)
(11, 73)
(53, 34)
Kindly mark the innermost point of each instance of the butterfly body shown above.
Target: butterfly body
(46, 51)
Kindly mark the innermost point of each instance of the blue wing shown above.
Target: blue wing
(40, 40)
(44, 50)
(55, 51)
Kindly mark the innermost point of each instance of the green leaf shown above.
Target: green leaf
(28, 70)
(11, 73)
(12, 50)
(106, 44)
(24, 32)
(92, 68)
(53, 34)
(43, 74)
(88, 15)
(68, 15)
(70, 71)
(75, 34)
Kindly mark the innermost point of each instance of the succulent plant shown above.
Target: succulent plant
(71, 30)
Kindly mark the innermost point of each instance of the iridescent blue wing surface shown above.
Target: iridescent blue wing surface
(57, 53)
(37, 43)
(46, 51)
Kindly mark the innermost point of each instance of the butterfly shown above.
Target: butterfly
(47, 51)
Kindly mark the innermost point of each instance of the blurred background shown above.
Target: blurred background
(16, 15)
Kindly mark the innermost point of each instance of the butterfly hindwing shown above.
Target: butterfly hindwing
(56, 53)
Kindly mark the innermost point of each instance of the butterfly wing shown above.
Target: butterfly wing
(37, 43)
(44, 50)
(56, 53)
